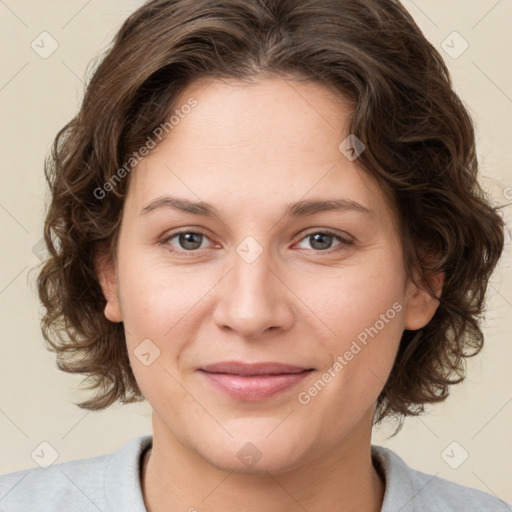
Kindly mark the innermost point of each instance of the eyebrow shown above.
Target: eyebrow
(299, 209)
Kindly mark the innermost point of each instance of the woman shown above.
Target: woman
(266, 221)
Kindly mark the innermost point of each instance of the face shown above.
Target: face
(265, 278)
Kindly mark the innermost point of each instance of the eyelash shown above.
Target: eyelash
(342, 245)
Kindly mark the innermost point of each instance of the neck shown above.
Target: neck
(344, 479)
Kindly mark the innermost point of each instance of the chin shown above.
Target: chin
(258, 452)
(274, 462)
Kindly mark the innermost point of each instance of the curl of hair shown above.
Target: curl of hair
(420, 146)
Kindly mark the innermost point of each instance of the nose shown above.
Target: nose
(253, 298)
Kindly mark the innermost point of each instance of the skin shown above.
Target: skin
(249, 149)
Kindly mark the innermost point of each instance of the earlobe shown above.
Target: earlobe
(420, 304)
(116, 317)
(106, 273)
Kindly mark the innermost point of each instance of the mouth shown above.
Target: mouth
(253, 381)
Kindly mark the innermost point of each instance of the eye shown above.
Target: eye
(188, 241)
(321, 241)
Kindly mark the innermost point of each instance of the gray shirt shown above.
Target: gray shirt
(111, 482)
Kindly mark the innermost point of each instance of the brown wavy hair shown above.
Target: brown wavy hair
(420, 146)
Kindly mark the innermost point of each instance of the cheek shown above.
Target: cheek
(361, 358)
(352, 299)
(364, 311)
(159, 311)
(156, 295)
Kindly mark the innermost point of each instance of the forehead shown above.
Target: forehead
(304, 114)
(271, 141)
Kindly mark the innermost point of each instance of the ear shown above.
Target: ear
(106, 272)
(420, 306)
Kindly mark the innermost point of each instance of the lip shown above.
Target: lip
(253, 381)
(252, 369)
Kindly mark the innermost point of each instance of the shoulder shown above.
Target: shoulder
(410, 490)
(94, 483)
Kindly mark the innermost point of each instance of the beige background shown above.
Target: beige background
(38, 96)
